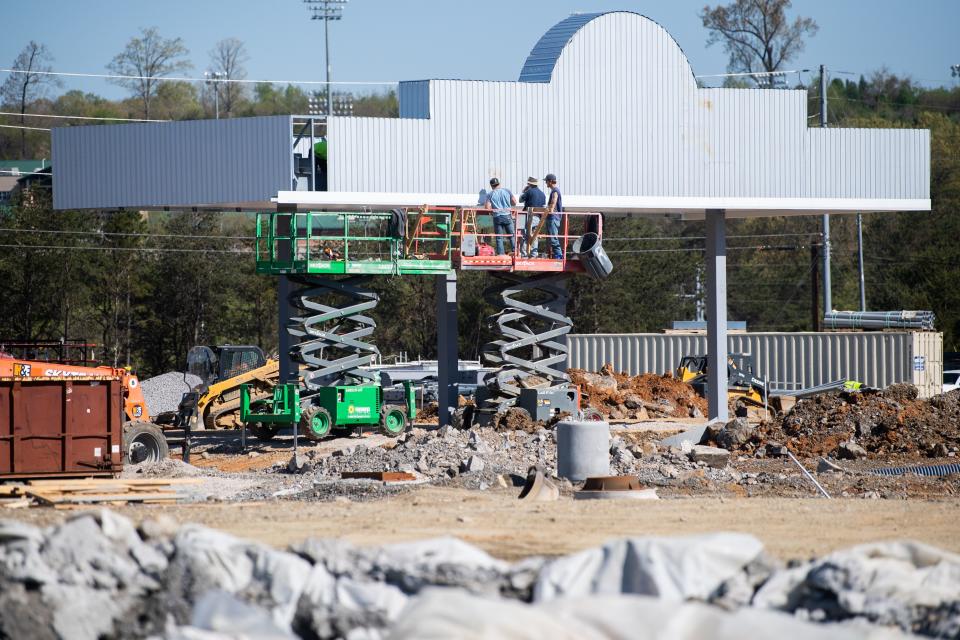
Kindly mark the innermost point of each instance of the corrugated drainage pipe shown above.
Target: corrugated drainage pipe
(928, 470)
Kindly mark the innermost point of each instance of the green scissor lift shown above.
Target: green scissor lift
(330, 256)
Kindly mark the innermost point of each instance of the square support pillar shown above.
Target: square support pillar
(448, 363)
(716, 314)
(289, 371)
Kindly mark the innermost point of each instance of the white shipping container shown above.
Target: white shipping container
(787, 360)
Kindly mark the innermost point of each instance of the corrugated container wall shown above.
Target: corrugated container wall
(190, 163)
(70, 427)
(787, 360)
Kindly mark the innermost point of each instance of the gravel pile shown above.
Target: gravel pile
(164, 392)
(98, 576)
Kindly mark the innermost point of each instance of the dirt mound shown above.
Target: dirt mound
(620, 396)
(892, 421)
(516, 419)
(428, 413)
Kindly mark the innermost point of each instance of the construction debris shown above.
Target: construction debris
(861, 424)
(538, 488)
(618, 396)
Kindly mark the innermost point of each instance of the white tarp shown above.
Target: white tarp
(680, 568)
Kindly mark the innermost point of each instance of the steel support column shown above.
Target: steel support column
(447, 350)
(288, 368)
(716, 314)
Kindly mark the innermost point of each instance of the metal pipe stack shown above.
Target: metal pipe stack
(917, 320)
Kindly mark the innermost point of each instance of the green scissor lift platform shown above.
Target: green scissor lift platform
(330, 255)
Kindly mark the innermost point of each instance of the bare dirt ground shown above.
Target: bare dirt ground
(497, 522)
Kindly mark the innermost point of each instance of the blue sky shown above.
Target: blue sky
(388, 40)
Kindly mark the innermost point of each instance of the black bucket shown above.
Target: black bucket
(595, 260)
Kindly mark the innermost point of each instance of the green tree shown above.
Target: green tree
(146, 58)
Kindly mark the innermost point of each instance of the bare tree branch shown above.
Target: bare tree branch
(756, 33)
(22, 89)
(228, 58)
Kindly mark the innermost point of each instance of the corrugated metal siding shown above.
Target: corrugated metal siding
(543, 58)
(620, 115)
(837, 154)
(172, 163)
(414, 98)
(788, 360)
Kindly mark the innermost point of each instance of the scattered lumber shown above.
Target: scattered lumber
(71, 493)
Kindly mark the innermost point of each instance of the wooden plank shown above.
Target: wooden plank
(92, 499)
(16, 503)
(11, 489)
(383, 476)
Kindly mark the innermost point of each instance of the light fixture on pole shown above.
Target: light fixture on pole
(214, 78)
(327, 10)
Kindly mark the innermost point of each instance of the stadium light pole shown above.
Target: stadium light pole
(214, 77)
(327, 10)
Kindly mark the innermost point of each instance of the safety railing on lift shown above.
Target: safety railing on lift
(480, 245)
(370, 242)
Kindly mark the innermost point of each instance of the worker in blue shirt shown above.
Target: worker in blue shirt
(554, 216)
(532, 197)
(500, 200)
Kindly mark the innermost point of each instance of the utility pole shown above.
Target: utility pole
(827, 294)
(327, 10)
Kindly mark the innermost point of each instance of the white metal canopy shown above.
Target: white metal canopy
(689, 207)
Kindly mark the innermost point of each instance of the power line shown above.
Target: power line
(113, 76)
(741, 235)
(13, 126)
(126, 234)
(748, 73)
(47, 115)
(142, 249)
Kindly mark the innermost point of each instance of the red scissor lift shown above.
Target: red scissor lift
(531, 296)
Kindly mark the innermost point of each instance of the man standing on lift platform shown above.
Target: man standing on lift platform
(554, 216)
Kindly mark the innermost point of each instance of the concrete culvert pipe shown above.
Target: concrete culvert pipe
(583, 449)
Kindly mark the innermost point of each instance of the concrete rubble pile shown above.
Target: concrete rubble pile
(864, 424)
(480, 457)
(163, 393)
(618, 396)
(96, 575)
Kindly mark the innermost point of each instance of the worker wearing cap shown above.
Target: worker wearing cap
(500, 200)
(554, 216)
(532, 197)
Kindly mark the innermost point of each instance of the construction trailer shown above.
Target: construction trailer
(650, 142)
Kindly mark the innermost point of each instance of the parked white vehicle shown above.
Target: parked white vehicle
(951, 380)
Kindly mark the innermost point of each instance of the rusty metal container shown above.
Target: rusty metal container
(60, 427)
